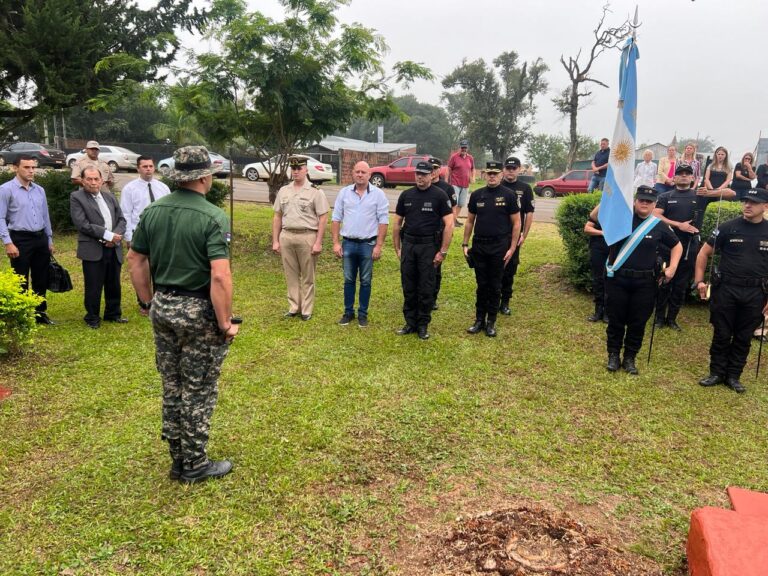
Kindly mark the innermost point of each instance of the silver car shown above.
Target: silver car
(222, 167)
(316, 171)
(116, 156)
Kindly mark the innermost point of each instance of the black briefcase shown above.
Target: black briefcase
(58, 277)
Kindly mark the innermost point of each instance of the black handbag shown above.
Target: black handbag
(58, 277)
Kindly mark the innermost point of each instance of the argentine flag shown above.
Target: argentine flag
(615, 214)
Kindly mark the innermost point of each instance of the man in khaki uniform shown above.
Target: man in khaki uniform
(91, 158)
(301, 214)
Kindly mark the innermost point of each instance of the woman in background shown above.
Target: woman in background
(645, 172)
(718, 174)
(743, 174)
(665, 176)
(689, 157)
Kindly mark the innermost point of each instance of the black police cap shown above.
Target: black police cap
(423, 168)
(493, 167)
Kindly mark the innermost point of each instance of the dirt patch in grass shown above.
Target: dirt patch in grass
(552, 276)
(530, 540)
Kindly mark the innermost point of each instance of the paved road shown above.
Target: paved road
(248, 191)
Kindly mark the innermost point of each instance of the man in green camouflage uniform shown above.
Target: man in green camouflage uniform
(181, 244)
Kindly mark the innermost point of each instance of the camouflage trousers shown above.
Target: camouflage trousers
(189, 352)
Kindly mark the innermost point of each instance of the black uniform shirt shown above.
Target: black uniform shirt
(524, 194)
(742, 247)
(597, 242)
(762, 176)
(449, 190)
(423, 210)
(644, 255)
(492, 207)
(683, 206)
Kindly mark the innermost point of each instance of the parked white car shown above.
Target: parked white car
(318, 172)
(221, 165)
(116, 156)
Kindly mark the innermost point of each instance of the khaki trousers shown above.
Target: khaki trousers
(299, 266)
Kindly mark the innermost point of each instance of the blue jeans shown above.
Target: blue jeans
(358, 257)
(596, 183)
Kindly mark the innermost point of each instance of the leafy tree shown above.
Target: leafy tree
(494, 107)
(425, 125)
(282, 85)
(180, 125)
(57, 54)
(570, 99)
(547, 151)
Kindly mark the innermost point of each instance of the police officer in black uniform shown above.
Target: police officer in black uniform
(598, 254)
(632, 289)
(739, 288)
(424, 212)
(682, 208)
(526, 203)
(495, 218)
(436, 163)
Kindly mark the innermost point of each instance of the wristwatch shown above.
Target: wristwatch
(145, 305)
(465, 245)
(444, 254)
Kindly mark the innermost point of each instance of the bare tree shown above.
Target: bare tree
(568, 102)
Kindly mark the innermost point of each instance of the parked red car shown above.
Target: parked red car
(401, 171)
(573, 182)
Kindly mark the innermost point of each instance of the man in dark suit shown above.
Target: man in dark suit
(101, 224)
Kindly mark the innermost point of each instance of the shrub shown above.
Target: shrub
(573, 212)
(58, 186)
(17, 312)
(571, 216)
(217, 195)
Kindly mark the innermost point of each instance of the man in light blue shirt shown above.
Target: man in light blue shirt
(25, 229)
(359, 227)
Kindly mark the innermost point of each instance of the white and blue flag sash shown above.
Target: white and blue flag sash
(630, 244)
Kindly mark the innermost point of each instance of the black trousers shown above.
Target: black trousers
(34, 257)
(735, 312)
(597, 258)
(630, 304)
(508, 277)
(417, 276)
(489, 269)
(672, 294)
(102, 275)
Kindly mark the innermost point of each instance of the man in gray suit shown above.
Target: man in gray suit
(101, 224)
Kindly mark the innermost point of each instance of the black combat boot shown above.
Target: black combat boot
(477, 327)
(598, 315)
(504, 308)
(490, 328)
(733, 383)
(613, 361)
(629, 365)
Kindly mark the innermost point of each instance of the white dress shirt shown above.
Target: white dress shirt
(135, 197)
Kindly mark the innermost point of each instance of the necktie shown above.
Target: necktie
(104, 209)
(151, 196)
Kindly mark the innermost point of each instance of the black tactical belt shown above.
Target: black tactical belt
(634, 273)
(747, 282)
(174, 291)
(419, 239)
(490, 239)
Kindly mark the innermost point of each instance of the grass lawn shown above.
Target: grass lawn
(352, 447)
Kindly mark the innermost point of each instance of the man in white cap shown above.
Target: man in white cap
(91, 158)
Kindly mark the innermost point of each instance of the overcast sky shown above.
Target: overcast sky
(700, 66)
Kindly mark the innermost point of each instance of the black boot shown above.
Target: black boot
(629, 365)
(613, 361)
(504, 308)
(490, 328)
(598, 315)
(659, 322)
(733, 383)
(477, 327)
